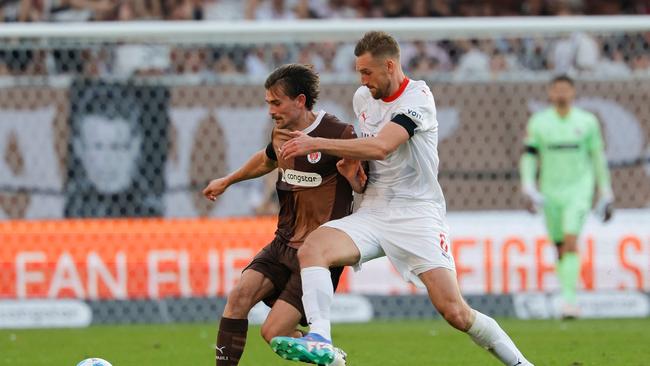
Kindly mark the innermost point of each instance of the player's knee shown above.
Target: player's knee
(239, 302)
(570, 243)
(268, 332)
(571, 248)
(310, 252)
(457, 315)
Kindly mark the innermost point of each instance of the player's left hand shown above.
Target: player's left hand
(533, 199)
(299, 145)
(605, 208)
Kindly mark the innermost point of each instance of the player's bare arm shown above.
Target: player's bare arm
(366, 148)
(258, 165)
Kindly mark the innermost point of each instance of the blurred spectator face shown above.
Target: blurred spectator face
(533, 7)
(279, 53)
(304, 57)
(125, 11)
(109, 151)
(374, 73)
(4, 70)
(284, 111)
(420, 8)
(440, 8)
(561, 94)
(225, 65)
(421, 65)
(182, 11)
(498, 63)
(278, 5)
(393, 8)
(328, 52)
(194, 61)
(641, 62)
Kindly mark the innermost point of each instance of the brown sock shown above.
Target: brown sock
(231, 340)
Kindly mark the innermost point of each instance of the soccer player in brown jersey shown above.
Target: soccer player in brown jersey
(312, 190)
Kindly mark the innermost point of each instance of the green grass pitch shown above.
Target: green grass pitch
(609, 342)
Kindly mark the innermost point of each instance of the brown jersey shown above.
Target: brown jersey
(310, 189)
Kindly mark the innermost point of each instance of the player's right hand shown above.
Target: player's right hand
(282, 135)
(534, 200)
(215, 188)
(605, 208)
(353, 171)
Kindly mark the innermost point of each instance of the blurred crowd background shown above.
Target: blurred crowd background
(123, 10)
(616, 55)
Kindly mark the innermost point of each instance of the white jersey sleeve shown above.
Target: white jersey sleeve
(418, 105)
(359, 100)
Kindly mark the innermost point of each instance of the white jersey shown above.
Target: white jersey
(409, 174)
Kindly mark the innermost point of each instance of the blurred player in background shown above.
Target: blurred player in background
(311, 191)
(402, 213)
(568, 144)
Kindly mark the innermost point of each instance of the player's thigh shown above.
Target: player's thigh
(332, 246)
(553, 217)
(274, 263)
(281, 321)
(416, 240)
(575, 214)
(358, 235)
(253, 286)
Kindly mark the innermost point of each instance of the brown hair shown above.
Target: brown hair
(378, 44)
(295, 79)
(562, 78)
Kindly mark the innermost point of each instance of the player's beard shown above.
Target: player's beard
(381, 91)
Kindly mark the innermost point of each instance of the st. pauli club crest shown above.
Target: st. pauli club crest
(314, 157)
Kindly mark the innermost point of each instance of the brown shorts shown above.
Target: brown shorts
(279, 263)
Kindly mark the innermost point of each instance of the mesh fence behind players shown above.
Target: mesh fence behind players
(135, 123)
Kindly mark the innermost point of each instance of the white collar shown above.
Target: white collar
(313, 125)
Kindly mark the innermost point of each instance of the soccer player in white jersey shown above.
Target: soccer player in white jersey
(401, 215)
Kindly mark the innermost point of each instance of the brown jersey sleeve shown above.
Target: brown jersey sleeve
(270, 152)
(348, 133)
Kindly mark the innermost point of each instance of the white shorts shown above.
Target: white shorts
(415, 239)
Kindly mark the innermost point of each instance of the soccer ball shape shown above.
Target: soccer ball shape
(94, 362)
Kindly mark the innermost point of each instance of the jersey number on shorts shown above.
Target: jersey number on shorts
(443, 243)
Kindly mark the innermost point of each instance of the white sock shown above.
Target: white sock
(488, 334)
(317, 295)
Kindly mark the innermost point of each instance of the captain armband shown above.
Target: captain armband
(406, 122)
